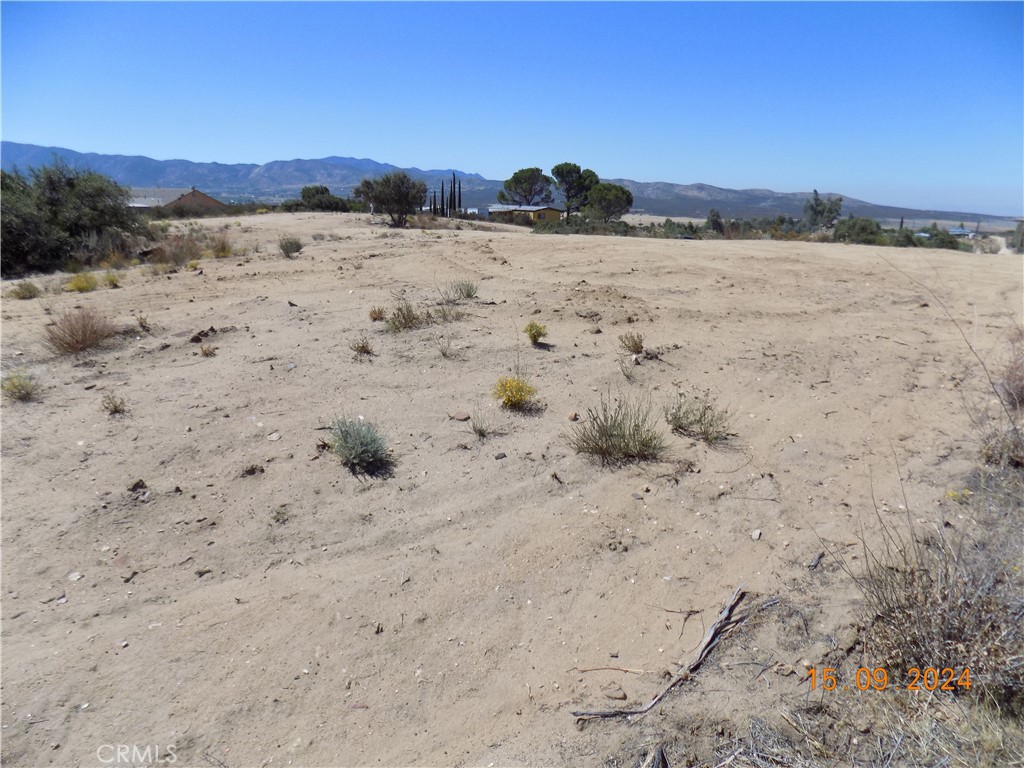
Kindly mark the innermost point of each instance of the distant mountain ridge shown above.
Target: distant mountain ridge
(281, 179)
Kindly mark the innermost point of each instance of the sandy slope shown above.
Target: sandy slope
(444, 616)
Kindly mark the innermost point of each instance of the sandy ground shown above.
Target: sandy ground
(458, 611)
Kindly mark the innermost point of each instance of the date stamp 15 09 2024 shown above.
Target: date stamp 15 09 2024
(879, 679)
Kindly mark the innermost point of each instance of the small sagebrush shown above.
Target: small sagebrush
(289, 245)
(360, 447)
(619, 433)
(697, 416)
(25, 290)
(83, 282)
(535, 331)
(632, 342)
(377, 314)
(19, 386)
(515, 393)
(78, 330)
(464, 289)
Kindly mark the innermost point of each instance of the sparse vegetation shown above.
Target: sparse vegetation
(405, 317)
(535, 332)
(696, 415)
(222, 247)
(377, 314)
(362, 347)
(112, 280)
(514, 393)
(76, 331)
(628, 369)
(632, 342)
(1012, 383)
(289, 245)
(444, 346)
(83, 282)
(114, 405)
(207, 350)
(143, 322)
(447, 314)
(618, 433)
(25, 290)
(360, 447)
(19, 386)
(395, 194)
(480, 425)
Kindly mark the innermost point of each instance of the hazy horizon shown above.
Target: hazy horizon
(917, 105)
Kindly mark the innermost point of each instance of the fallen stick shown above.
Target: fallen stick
(612, 669)
(723, 624)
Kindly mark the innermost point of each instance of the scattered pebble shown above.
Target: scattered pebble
(274, 436)
(574, 416)
(459, 416)
(74, 576)
(755, 534)
(500, 456)
(614, 691)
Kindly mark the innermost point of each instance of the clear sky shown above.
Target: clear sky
(910, 104)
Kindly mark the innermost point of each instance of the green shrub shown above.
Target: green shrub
(83, 282)
(25, 290)
(617, 434)
(19, 386)
(360, 447)
(289, 245)
(535, 331)
(463, 289)
(515, 393)
(77, 331)
(695, 415)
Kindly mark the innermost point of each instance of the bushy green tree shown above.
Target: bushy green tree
(819, 212)
(319, 198)
(609, 201)
(715, 222)
(860, 230)
(396, 194)
(575, 184)
(59, 213)
(528, 186)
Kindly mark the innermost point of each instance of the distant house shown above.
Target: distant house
(961, 232)
(158, 197)
(537, 213)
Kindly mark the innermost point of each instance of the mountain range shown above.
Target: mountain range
(282, 179)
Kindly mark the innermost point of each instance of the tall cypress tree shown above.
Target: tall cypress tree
(460, 195)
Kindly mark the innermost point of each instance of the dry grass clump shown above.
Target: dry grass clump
(377, 314)
(207, 350)
(221, 246)
(620, 433)
(632, 342)
(405, 317)
(535, 331)
(83, 282)
(464, 289)
(112, 280)
(446, 314)
(114, 405)
(514, 393)
(362, 347)
(360, 447)
(289, 245)
(25, 290)
(696, 415)
(1012, 383)
(19, 386)
(78, 330)
(950, 601)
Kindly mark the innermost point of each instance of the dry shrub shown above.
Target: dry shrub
(632, 342)
(114, 405)
(362, 347)
(377, 314)
(1012, 383)
(221, 246)
(618, 434)
(942, 600)
(405, 317)
(208, 350)
(25, 290)
(76, 331)
(289, 245)
(696, 415)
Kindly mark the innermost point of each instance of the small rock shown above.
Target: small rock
(274, 437)
(755, 534)
(459, 416)
(252, 469)
(74, 576)
(138, 486)
(614, 691)
(574, 416)
(291, 366)
(500, 456)
(638, 496)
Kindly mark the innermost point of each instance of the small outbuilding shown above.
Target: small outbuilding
(173, 199)
(537, 213)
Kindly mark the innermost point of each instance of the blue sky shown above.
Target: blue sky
(913, 104)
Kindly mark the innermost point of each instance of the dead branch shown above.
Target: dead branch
(723, 624)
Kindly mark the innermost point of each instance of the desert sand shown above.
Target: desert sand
(256, 604)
